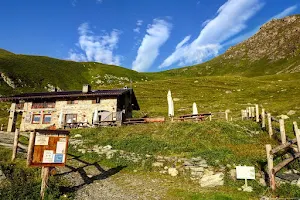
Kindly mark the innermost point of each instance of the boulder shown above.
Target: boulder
(173, 171)
(262, 182)
(232, 174)
(212, 180)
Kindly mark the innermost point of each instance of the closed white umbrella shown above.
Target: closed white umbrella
(195, 110)
(170, 104)
(60, 119)
(95, 118)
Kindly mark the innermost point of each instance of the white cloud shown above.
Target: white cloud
(138, 24)
(184, 41)
(97, 48)
(136, 30)
(157, 34)
(286, 12)
(249, 34)
(231, 19)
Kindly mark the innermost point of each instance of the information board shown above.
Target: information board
(245, 172)
(49, 148)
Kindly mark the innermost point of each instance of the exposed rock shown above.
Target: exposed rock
(262, 182)
(176, 99)
(228, 92)
(283, 116)
(247, 189)
(157, 164)
(8, 81)
(77, 136)
(212, 180)
(291, 112)
(173, 171)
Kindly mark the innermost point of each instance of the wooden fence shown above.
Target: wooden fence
(275, 127)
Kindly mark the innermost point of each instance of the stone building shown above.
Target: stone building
(71, 108)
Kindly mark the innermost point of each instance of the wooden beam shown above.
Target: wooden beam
(257, 112)
(283, 146)
(15, 147)
(263, 118)
(282, 131)
(270, 129)
(45, 177)
(30, 147)
(285, 162)
(270, 167)
(297, 133)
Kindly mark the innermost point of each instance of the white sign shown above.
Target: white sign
(60, 147)
(41, 140)
(48, 156)
(245, 172)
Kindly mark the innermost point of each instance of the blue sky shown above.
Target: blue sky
(144, 35)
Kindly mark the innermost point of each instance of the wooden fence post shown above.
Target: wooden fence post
(2, 125)
(30, 147)
(257, 113)
(15, 147)
(297, 133)
(263, 118)
(270, 129)
(270, 167)
(242, 112)
(282, 131)
(253, 111)
(210, 117)
(226, 115)
(45, 177)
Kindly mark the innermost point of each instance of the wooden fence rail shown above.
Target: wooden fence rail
(275, 126)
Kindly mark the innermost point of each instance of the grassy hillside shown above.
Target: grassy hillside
(35, 73)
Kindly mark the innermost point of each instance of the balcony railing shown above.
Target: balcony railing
(43, 105)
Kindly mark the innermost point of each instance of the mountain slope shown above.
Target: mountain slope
(21, 73)
(274, 49)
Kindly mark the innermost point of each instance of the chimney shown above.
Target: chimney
(86, 88)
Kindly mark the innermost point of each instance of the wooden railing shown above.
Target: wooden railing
(275, 128)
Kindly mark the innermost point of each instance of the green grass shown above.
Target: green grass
(237, 143)
(23, 182)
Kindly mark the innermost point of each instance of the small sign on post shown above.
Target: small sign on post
(246, 173)
(47, 148)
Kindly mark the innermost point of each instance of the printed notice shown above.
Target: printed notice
(245, 172)
(60, 147)
(48, 156)
(41, 140)
(59, 158)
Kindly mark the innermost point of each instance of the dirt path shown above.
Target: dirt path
(92, 181)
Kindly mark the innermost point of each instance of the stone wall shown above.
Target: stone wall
(83, 108)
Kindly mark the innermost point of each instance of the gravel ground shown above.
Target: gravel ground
(91, 181)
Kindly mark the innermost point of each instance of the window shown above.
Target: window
(47, 119)
(97, 100)
(72, 102)
(36, 118)
(71, 118)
